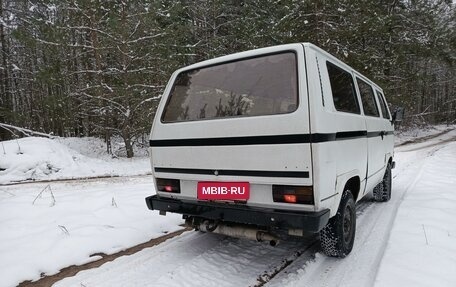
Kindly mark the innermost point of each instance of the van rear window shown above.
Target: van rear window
(263, 85)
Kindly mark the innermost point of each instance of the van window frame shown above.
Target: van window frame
(382, 101)
(298, 86)
(373, 97)
(355, 94)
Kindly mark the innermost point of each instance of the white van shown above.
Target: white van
(272, 142)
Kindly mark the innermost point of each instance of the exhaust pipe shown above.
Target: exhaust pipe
(238, 231)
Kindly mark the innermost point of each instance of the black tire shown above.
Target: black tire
(338, 236)
(382, 192)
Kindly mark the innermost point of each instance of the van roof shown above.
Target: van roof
(273, 49)
(244, 54)
(334, 58)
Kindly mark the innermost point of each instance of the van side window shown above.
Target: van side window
(343, 90)
(383, 106)
(368, 98)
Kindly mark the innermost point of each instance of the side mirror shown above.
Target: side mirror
(398, 115)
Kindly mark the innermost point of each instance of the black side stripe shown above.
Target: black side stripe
(260, 173)
(350, 135)
(251, 140)
(267, 140)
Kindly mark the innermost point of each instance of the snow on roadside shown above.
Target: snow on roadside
(422, 245)
(416, 133)
(35, 158)
(42, 234)
(96, 147)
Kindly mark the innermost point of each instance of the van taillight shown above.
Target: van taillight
(293, 194)
(290, 198)
(168, 185)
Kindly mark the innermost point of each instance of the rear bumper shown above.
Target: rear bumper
(308, 221)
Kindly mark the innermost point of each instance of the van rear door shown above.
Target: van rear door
(242, 117)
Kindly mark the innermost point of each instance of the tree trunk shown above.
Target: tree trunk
(127, 140)
(4, 80)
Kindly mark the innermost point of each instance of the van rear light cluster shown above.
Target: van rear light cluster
(293, 194)
(168, 185)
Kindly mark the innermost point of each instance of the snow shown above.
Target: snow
(15, 68)
(192, 259)
(412, 134)
(76, 220)
(381, 221)
(408, 241)
(422, 246)
(36, 158)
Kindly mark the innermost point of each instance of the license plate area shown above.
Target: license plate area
(215, 190)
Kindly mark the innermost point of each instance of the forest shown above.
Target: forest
(98, 67)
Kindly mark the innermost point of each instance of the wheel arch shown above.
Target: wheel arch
(350, 180)
(354, 185)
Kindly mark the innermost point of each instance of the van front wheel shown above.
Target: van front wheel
(338, 236)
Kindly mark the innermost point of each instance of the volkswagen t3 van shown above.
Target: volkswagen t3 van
(272, 142)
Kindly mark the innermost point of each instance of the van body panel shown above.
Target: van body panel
(335, 158)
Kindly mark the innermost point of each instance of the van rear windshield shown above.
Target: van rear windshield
(263, 85)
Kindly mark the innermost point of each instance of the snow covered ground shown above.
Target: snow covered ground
(43, 230)
(35, 158)
(194, 259)
(421, 250)
(409, 135)
(406, 242)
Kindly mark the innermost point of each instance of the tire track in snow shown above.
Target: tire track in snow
(207, 259)
(424, 138)
(80, 179)
(431, 144)
(192, 259)
(307, 253)
(270, 274)
(74, 269)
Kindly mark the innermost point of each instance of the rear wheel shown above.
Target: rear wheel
(382, 192)
(338, 236)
